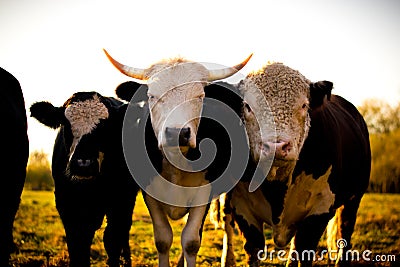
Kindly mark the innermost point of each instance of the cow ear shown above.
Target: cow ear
(48, 114)
(127, 90)
(226, 93)
(318, 92)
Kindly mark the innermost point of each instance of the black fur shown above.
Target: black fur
(15, 150)
(126, 90)
(82, 205)
(318, 92)
(48, 114)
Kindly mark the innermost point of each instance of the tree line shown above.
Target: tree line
(383, 122)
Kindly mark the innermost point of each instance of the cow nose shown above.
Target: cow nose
(177, 136)
(268, 149)
(281, 150)
(83, 162)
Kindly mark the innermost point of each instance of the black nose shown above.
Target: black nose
(83, 162)
(177, 136)
(84, 167)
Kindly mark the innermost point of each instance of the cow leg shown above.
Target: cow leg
(307, 237)
(79, 243)
(6, 227)
(80, 232)
(252, 231)
(116, 234)
(10, 197)
(126, 253)
(192, 233)
(80, 224)
(250, 211)
(340, 230)
(228, 256)
(162, 230)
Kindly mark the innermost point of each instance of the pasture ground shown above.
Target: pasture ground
(40, 238)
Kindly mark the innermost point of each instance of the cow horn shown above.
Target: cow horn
(129, 71)
(225, 73)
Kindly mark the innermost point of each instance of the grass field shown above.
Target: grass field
(40, 239)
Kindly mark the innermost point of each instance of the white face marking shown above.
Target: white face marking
(176, 96)
(83, 117)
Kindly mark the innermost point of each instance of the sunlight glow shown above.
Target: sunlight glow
(55, 49)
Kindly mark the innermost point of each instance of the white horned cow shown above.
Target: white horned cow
(175, 96)
(321, 160)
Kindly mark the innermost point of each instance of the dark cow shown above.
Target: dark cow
(90, 175)
(321, 162)
(15, 150)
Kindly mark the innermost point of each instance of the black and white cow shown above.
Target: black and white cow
(321, 162)
(15, 150)
(175, 96)
(90, 175)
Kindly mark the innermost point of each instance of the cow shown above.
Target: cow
(13, 162)
(175, 92)
(320, 160)
(90, 175)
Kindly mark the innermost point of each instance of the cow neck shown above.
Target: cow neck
(180, 172)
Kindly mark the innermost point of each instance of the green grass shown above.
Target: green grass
(40, 237)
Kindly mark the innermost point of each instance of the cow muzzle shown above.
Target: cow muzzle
(84, 169)
(281, 150)
(178, 137)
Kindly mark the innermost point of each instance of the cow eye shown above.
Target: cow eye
(152, 97)
(305, 106)
(247, 107)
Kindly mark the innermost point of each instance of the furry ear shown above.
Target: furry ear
(126, 90)
(48, 114)
(318, 92)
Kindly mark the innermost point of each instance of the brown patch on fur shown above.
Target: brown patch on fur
(192, 247)
(162, 247)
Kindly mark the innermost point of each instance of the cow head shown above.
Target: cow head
(83, 120)
(175, 93)
(289, 96)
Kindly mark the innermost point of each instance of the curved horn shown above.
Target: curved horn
(129, 71)
(225, 73)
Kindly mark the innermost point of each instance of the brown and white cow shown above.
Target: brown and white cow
(175, 90)
(321, 164)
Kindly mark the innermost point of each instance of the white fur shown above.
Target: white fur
(83, 117)
(306, 196)
(176, 93)
(160, 211)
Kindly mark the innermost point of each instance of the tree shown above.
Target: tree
(383, 123)
(38, 175)
(380, 116)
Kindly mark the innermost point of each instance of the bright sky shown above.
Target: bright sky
(54, 48)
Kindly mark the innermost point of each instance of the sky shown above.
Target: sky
(54, 48)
